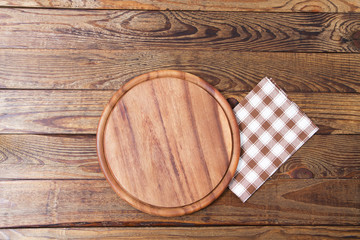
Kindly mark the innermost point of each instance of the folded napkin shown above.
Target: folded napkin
(272, 128)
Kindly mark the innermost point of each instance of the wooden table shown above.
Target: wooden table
(60, 62)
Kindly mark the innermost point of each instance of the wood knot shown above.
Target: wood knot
(355, 38)
(147, 22)
(301, 173)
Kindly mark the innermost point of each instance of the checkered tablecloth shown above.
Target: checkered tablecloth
(272, 128)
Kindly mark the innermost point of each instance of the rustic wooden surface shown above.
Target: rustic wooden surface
(212, 5)
(78, 111)
(93, 203)
(74, 157)
(227, 233)
(229, 70)
(61, 61)
(188, 30)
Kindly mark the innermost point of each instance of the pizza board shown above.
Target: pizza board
(168, 143)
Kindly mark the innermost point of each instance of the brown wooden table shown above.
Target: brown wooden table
(60, 62)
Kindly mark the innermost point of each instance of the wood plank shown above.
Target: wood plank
(46, 111)
(228, 70)
(78, 112)
(48, 157)
(109, 29)
(74, 157)
(64, 203)
(213, 5)
(241, 232)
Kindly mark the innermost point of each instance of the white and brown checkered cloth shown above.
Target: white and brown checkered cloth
(272, 128)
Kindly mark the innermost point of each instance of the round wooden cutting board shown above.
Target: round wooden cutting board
(168, 143)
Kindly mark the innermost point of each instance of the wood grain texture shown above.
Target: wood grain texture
(182, 152)
(242, 232)
(74, 157)
(52, 183)
(93, 203)
(51, 111)
(76, 29)
(226, 70)
(78, 112)
(324, 156)
(49, 157)
(212, 5)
